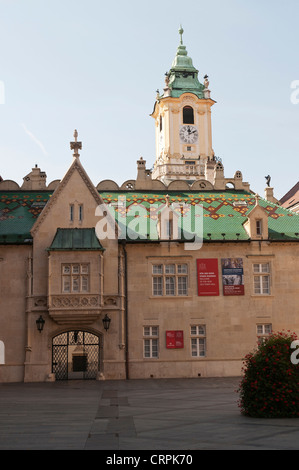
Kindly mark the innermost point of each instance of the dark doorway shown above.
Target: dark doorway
(76, 355)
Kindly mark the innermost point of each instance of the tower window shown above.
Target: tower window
(161, 123)
(188, 115)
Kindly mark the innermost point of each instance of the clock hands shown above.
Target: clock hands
(189, 134)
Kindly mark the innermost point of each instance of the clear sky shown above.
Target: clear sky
(95, 65)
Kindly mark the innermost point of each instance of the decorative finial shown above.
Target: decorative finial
(76, 145)
(268, 180)
(181, 34)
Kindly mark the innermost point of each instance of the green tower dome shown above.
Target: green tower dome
(183, 76)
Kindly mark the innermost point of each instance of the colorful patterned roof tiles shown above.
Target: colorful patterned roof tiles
(223, 213)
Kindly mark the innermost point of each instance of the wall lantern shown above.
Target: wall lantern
(40, 323)
(106, 322)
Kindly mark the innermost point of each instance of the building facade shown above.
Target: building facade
(291, 199)
(177, 273)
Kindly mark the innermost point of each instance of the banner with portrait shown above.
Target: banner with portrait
(232, 276)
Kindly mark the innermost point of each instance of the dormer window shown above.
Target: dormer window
(259, 227)
(188, 115)
(167, 225)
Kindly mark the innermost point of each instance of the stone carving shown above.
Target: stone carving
(70, 301)
(110, 300)
(40, 302)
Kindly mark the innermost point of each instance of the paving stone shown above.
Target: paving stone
(148, 415)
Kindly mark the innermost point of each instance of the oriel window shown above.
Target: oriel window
(75, 278)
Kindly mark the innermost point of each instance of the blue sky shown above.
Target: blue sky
(95, 66)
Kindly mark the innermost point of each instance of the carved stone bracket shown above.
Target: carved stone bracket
(37, 303)
(111, 301)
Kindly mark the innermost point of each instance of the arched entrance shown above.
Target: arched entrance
(76, 355)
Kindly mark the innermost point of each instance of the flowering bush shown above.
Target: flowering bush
(270, 385)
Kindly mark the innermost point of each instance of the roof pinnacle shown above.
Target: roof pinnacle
(76, 145)
(181, 34)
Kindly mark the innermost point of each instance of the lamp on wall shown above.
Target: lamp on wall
(40, 323)
(106, 322)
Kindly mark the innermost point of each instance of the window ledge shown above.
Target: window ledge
(256, 296)
(170, 297)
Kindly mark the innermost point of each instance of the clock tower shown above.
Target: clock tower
(182, 116)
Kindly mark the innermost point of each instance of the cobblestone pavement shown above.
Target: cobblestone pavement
(144, 415)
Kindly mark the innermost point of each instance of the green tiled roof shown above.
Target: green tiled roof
(18, 212)
(75, 239)
(224, 212)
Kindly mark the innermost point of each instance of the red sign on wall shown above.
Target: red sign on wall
(207, 277)
(174, 339)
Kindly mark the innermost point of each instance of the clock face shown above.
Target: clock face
(188, 134)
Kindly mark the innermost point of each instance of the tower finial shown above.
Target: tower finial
(76, 145)
(181, 34)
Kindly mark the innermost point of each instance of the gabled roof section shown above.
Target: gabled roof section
(75, 239)
(75, 166)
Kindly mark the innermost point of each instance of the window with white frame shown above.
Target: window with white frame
(75, 278)
(170, 279)
(259, 227)
(198, 340)
(151, 342)
(261, 278)
(263, 331)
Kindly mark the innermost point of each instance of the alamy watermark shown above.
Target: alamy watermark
(164, 222)
(294, 358)
(295, 94)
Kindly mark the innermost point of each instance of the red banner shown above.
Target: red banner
(207, 277)
(174, 339)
